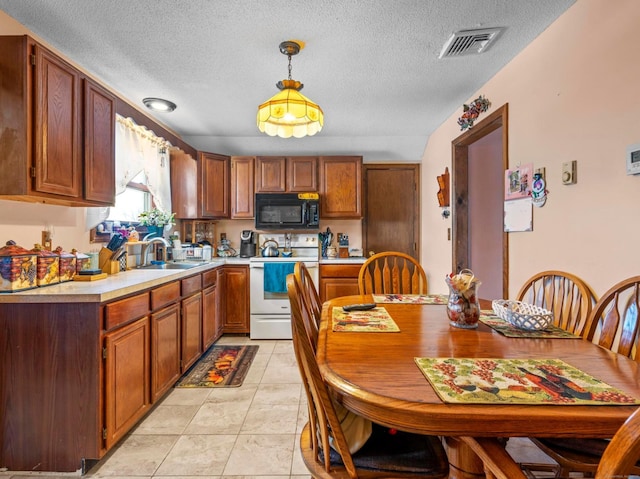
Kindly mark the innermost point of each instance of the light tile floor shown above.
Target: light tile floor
(248, 432)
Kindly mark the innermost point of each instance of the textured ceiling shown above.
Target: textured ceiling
(372, 65)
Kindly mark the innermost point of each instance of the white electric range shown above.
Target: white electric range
(270, 312)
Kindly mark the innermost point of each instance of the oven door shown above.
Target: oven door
(272, 302)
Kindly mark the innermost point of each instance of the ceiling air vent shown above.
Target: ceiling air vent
(470, 42)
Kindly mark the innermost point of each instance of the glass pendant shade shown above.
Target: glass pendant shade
(290, 113)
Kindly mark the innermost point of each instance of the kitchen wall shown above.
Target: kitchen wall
(572, 95)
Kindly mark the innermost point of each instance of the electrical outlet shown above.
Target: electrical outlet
(569, 173)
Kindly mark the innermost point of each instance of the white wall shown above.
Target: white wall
(572, 95)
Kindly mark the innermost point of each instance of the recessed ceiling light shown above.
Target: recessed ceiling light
(158, 104)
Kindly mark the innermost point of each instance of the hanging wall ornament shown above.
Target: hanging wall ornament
(538, 191)
(472, 111)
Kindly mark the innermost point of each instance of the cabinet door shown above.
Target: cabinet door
(126, 378)
(341, 187)
(210, 318)
(270, 174)
(214, 185)
(165, 350)
(338, 280)
(191, 330)
(99, 144)
(236, 318)
(242, 186)
(302, 174)
(184, 185)
(57, 127)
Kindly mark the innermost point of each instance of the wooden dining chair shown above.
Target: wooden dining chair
(567, 296)
(385, 454)
(613, 324)
(392, 272)
(309, 294)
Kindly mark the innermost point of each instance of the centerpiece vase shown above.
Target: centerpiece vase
(463, 307)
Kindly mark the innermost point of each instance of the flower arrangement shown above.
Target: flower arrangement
(156, 217)
(472, 111)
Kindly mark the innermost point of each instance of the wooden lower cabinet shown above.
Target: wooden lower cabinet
(236, 299)
(127, 374)
(338, 280)
(101, 366)
(165, 350)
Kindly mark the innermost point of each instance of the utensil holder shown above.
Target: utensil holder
(107, 265)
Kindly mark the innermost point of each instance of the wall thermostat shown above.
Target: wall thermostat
(633, 159)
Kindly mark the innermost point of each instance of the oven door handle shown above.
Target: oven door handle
(310, 265)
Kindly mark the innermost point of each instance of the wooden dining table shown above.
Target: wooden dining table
(376, 376)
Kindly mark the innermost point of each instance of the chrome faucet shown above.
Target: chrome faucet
(145, 248)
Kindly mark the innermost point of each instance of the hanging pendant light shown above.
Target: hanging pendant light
(290, 113)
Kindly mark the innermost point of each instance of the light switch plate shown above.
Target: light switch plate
(569, 173)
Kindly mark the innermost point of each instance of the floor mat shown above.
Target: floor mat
(220, 366)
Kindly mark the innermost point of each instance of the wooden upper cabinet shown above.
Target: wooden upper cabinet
(57, 151)
(295, 174)
(99, 143)
(184, 184)
(242, 187)
(214, 185)
(270, 174)
(60, 129)
(340, 186)
(302, 174)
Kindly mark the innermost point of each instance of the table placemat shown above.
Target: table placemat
(376, 320)
(411, 298)
(517, 381)
(503, 327)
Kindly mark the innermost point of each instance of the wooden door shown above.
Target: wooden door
(184, 185)
(58, 168)
(126, 378)
(209, 317)
(338, 280)
(392, 210)
(341, 187)
(236, 319)
(99, 144)
(242, 187)
(270, 174)
(191, 333)
(165, 350)
(466, 238)
(214, 185)
(302, 174)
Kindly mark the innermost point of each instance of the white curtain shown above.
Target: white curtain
(138, 149)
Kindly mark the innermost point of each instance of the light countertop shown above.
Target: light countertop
(112, 287)
(350, 260)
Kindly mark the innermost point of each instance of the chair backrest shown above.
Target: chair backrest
(310, 297)
(392, 272)
(564, 294)
(322, 415)
(623, 451)
(614, 322)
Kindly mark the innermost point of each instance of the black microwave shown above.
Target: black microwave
(293, 211)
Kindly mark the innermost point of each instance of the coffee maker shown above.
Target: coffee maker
(247, 244)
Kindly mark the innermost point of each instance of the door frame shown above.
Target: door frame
(460, 186)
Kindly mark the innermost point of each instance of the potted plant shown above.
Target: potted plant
(156, 220)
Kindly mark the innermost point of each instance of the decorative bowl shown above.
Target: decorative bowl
(523, 315)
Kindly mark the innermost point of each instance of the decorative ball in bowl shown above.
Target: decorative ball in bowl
(523, 315)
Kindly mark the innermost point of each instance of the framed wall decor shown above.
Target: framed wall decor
(517, 182)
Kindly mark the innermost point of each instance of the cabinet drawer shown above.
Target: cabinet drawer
(191, 285)
(340, 270)
(125, 310)
(209, 278)
(163, 295)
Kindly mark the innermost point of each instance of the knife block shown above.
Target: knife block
(106, 264)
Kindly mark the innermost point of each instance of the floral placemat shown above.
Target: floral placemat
(375, 320)
(517, 381)
(503, 327)
(411, 298)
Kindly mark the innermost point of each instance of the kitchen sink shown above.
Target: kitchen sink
(172, 266)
